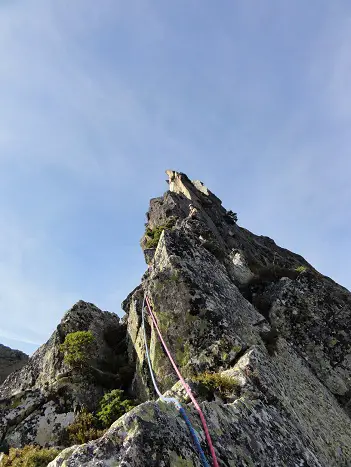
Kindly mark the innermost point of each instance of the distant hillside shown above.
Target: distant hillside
(10, 360)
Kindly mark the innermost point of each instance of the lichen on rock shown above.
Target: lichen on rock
(233, 307)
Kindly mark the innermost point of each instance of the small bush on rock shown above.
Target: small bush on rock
(231, 217)
(301, 269)
(29, 456)
(153, 235)
(112, 406)
(216, 382)
(85, 428)
(78, 348)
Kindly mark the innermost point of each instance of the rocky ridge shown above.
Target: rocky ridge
(10, 360)
(229, 303)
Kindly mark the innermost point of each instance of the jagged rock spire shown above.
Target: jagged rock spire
(234, 305)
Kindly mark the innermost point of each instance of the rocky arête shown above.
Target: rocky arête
(260, 336)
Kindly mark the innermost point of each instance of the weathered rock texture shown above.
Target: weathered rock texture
(39, 400)
(10, 360)
(231, 302)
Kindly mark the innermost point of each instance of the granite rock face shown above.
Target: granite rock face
(40, 399)
(274, 422)
(236, 304)
(10, 360)
(231, 302)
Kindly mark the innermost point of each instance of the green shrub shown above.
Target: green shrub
(85, 428)
(112, 406)
(153, 235)
(29, 456)
(78, 348)
(215, 382)
(301, 269)
(231, 217)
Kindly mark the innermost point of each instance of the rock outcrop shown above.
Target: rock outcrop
(232, 302)
(38, 401)
(10, 360)
(236, 305)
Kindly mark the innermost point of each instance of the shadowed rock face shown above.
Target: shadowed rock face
(10, 360)
(231, 302)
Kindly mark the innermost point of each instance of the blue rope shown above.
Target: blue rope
(193, 433)
(195, 437)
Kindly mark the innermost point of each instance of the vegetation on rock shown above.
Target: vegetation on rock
(29, 456)
(85, 428)
(281, 345)
(78, 348)
(183, 356)
(112, 406)
(153, 235)
(301, 269)
(216, 382)
(231, 217)
(88, 426)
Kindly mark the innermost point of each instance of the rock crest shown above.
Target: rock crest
(228, 302)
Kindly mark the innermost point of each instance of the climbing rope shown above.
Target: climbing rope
(185, 385)
(172, 400)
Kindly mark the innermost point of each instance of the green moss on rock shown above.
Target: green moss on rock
(183, 356)
(153, 235)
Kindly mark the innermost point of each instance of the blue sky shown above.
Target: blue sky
(97, 99)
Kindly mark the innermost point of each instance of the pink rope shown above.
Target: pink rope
(186, 387)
